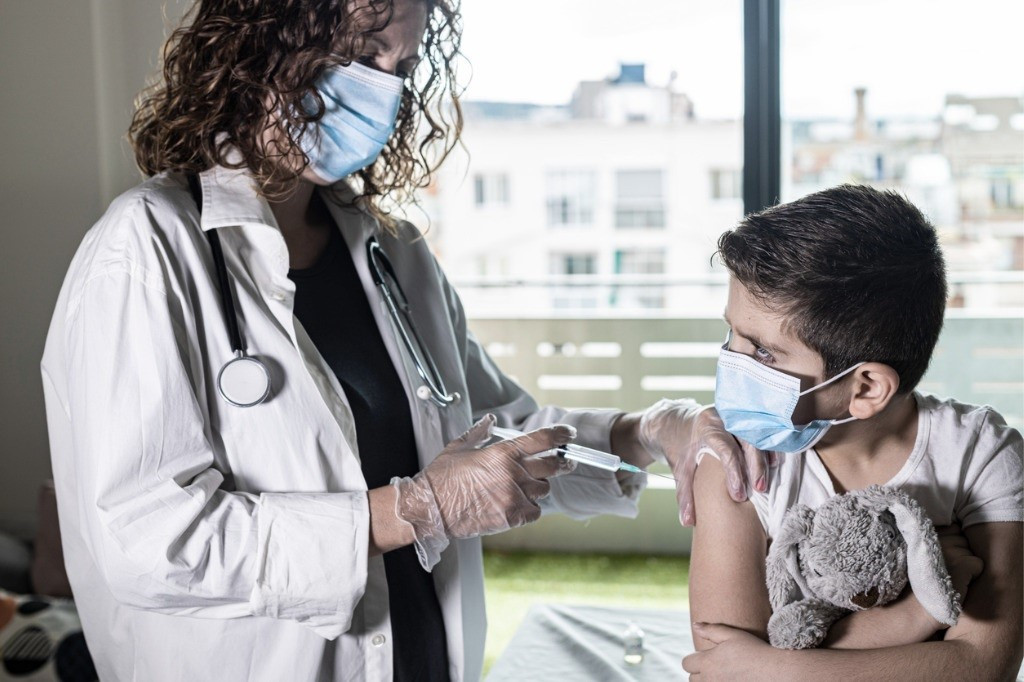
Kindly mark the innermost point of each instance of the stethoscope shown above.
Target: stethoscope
(244, 381)
(397, 303)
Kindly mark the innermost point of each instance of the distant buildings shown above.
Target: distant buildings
(964, 168)
(626, 184)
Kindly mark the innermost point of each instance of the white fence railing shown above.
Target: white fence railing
(631, 362)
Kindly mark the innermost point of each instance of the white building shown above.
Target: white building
(616, 200)
(623, 182)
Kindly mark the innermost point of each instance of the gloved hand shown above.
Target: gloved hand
(469, 490)
(681, 432)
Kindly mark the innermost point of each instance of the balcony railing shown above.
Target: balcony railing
(630, 362)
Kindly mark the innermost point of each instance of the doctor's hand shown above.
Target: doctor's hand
(681, 432)
(469, 490)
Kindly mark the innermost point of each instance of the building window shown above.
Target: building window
(726, 184)
(639, 199)
(490, 189)
(1004, 193)
(573, 263)
(640, 261)
(570, 197)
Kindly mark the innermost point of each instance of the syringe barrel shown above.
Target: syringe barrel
(506, 434)
(594, 458)
(577, 453)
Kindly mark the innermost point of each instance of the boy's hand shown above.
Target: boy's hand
(680, 432)
(736, 654)
(961, 563)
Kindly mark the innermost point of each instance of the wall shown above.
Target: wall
(68, 73)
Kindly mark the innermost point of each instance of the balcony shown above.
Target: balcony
(630, 362)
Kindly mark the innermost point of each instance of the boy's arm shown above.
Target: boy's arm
(727, 583)
(905, 621)
(984, 645)
(993, 615)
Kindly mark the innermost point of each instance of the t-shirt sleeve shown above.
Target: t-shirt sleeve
(992, 487)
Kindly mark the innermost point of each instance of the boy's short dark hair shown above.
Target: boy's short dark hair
(858, 272)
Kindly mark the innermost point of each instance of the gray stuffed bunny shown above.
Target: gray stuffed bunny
(855, 551)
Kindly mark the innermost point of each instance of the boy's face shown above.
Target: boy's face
(763, 334)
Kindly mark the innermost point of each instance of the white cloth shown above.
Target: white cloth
(563, 643)
(965, 467)
(205, 539)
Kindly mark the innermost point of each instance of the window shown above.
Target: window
(726, 184)
(640, 261)
(1006, 193)
(571, 298)
(573, 263)
(490, 189)
(639, 199)
(570, 197)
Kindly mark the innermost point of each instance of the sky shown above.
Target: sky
(908, 53)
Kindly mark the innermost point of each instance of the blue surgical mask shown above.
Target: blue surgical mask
(361, 105)
(756, 404)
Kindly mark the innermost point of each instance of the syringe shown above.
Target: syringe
(583, 455)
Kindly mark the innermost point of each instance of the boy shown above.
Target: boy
(835, 304)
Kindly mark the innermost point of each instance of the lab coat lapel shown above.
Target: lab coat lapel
(356, 227)
(255, 247)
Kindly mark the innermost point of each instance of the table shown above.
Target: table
(560, 643)
(565, 643)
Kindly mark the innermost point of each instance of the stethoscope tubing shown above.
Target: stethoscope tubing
(229, 313)
(398, 309)
(223, 283)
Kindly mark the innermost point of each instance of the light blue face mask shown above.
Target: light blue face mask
(756, 404)
(360, 109)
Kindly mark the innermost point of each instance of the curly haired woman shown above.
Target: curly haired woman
(253, 369)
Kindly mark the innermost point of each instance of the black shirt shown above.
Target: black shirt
(332, 306)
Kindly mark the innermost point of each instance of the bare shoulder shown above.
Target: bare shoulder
(712, 500)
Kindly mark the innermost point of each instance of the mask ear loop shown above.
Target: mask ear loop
(826, 383)
(835, 378)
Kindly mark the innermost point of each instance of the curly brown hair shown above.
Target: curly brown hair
(239, 67)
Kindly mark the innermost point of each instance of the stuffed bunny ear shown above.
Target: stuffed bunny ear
(926, 568)
(782, 569)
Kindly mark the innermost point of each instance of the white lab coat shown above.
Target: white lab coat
(207, 541)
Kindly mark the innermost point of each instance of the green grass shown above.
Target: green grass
(514, 582)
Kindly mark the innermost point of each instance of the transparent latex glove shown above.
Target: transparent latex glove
(681, 432)
(470, 490)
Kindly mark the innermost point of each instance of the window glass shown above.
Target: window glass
(916, 96)
(618, 134)
(490, 189)
(570, 197)
(638, 199)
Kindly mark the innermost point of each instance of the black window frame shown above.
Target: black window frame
(762, 112)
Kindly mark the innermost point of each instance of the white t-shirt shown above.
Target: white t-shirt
(967, 466)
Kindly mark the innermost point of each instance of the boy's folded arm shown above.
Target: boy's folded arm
(993, 613)
(903, 621)
(986, 643)
(727, 580)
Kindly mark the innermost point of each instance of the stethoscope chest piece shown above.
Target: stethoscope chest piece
(244, 381)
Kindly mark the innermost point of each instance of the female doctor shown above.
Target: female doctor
(253, 370)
